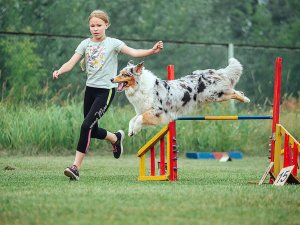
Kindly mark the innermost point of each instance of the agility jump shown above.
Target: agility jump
(168, 156)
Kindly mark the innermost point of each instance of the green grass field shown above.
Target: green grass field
(208, 192)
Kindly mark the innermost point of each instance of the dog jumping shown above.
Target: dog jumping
(159, 101)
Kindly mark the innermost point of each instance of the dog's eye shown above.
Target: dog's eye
(131, 70)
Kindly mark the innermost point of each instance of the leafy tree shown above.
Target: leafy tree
(23, 73)
(253, 22)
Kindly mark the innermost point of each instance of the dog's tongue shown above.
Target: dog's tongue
(120, 86)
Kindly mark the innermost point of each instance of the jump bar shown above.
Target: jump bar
(224, 118)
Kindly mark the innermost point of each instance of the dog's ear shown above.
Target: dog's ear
(139, 67)
(130, 63)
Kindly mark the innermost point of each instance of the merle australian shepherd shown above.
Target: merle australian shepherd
(159, 101)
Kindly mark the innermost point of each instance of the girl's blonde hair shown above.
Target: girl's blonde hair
(100, 14)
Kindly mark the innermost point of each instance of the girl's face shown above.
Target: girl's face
(98, 28)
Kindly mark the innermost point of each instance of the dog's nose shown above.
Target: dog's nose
(112, 80)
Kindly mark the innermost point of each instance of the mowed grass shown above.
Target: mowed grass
(207, 192)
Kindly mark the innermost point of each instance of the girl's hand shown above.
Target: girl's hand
(55, 74)
(157, 47)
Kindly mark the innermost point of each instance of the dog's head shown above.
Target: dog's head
(128, 76)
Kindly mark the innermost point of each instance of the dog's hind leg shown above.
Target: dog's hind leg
(232, 94)
(238, 95)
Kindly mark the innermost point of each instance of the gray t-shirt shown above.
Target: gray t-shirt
(101, 61)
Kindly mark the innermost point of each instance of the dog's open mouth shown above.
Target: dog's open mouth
(122, 85)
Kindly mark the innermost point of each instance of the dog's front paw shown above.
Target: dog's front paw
(247, 100)
(131, 132)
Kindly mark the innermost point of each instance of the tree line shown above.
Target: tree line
(191, 30)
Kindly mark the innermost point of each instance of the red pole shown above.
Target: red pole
(173, 151)
(276, 105)
(287, 152)
(295, 160)
(172, 136)
(162, 156)
(171, 74)
(152, 161)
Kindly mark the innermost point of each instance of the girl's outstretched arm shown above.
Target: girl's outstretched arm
(143, 52)
(67, 66)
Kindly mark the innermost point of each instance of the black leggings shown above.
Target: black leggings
(96, 102)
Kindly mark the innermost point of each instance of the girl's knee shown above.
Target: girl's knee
(98, 133)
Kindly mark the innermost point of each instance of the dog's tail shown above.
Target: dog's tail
(233, 71)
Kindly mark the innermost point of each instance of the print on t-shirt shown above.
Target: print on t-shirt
(95, 57)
